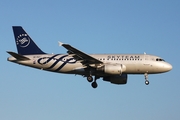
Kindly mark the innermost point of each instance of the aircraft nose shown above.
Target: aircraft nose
(168, 67)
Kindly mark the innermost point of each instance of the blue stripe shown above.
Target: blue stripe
(64, 64)
(52, 58)
(57, 61)
(47, 60)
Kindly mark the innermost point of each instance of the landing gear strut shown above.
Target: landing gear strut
(146, 79)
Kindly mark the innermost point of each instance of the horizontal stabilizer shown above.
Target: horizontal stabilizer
(18, 56)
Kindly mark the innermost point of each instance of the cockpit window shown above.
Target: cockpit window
(159, 59)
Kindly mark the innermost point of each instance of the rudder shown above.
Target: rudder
(25, 45)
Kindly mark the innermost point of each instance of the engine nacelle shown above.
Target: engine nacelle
(116, 79)
(113, 69)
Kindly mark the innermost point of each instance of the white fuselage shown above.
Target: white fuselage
(63, 63)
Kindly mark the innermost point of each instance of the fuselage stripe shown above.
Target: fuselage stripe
(55, 63)
(47, 60)
(64, 64)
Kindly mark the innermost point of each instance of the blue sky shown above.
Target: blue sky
(93, 26)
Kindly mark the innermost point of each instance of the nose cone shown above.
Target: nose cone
(167, 67)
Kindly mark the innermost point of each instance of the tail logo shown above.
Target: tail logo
(23, 40)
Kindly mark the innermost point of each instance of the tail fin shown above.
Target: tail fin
(25, 45)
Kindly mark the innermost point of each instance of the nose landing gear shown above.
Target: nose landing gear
(146, 79)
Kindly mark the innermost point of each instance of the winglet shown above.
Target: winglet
(60, 43)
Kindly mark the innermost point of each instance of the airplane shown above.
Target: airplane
(113, 68)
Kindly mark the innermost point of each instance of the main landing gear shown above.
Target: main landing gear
(89, 78)
(146, 79)
(93, 84)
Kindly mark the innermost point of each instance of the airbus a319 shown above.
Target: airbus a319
(113, 68)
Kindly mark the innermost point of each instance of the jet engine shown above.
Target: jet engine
(116, 79)
(112, 69)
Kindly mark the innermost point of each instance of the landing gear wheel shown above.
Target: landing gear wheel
(90, 78)
(147, 82)
(146, 78)
(94, 85)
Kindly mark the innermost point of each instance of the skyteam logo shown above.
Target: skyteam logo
(55, 61)
(23, 40)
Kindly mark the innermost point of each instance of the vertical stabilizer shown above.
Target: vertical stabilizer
(25, 45)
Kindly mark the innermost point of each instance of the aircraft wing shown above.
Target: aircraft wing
(79, 55)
